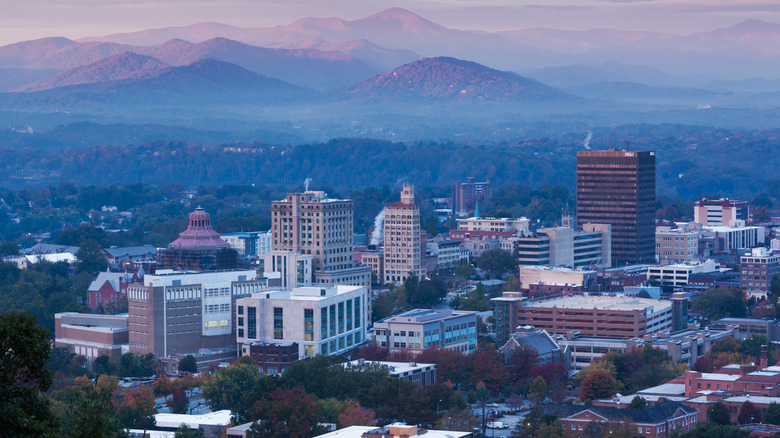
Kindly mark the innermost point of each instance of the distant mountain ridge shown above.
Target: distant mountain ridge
(126, 65)
(456, 80)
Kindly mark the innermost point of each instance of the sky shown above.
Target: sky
(30, 19)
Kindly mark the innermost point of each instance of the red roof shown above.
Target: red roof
(199, 234)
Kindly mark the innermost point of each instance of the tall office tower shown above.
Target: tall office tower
(312, 223)
(402, 246)
(618, 188)
(465, 195)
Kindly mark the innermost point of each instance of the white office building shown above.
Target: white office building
(322, 320)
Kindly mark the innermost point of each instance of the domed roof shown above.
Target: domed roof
(199, 234)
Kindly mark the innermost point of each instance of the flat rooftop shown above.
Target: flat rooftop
(603, 303)
(218, 418)
(394, 367)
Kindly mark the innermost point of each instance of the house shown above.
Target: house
(110, 288)
(541, 341)
(656, 421)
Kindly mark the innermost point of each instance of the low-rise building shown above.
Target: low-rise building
(677, 274)
(545, 345)
(421, 374)
(271, 357)
(683, 346)
(545, 274)
(398, 430)
(109, 289)
(130, 253)
(326, 320)
(91, 335)
(757, 270)
(418, 329)
(656, 421)
(676, 245)
(720, 212)
(250, 244)
(601, 316)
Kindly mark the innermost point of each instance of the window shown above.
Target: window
(332, 312)
(251, 322)
(323, 323)
(341, 317)
(308, 324)
(357, 312)
(278, 323)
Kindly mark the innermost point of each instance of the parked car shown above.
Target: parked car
(497, 425)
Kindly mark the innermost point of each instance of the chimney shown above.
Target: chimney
(764, 359)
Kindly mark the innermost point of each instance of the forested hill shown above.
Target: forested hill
(690, 162)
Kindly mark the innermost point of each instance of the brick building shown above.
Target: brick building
(604, 316)
(91, 335)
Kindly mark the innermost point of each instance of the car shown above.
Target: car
(492, 405)
(158, 405)
(497, 425)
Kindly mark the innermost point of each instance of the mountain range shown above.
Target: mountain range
(389, 70)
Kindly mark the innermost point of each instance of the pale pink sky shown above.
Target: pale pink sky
(31, 19)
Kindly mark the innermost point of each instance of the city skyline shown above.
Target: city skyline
(80, 18)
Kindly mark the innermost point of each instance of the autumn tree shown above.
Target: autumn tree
(178, 403)
(703, 364)
(372, 351)
(237, 387)
(772, 414)
(457, 420)
(449, 363)
(552, 430)
(91, 258)
(748, 413)
(185, 431)
(486, 365)
(497, 261)
(24, 377)
(719, 414)
(287, 413)
(521, 361)
(188, 364)
(137, 410)
(598, 384)
(93, 409)
(721, 301)
(538, 390)
(356, 415)
(637, 403)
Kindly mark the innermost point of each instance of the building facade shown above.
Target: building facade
(676, 245)
(677, 274)
(465, 195)
(618, 188)
(271, 357)
(321, 320)
(416, 330)
(403, 247)
(91, 335)
(199, 247)
(180, 313)
(720, 212)
(604, 316)
(250, 244)
(757, 271)
(313, 224)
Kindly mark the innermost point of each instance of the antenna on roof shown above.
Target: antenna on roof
(628, 144)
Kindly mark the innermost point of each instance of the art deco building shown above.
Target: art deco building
(403, 248)
(618, 188)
